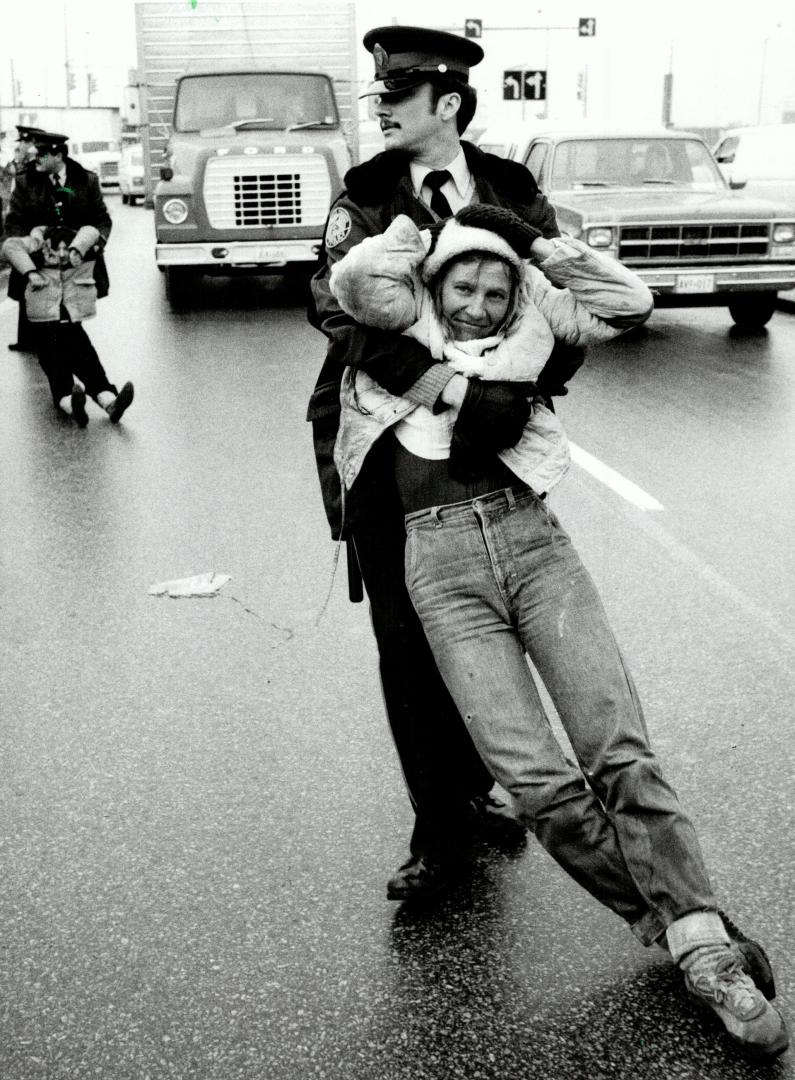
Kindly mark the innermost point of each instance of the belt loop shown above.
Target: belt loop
(435, 517)
(509, 495)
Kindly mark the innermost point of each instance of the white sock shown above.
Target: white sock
(66, 404)
(105, 398)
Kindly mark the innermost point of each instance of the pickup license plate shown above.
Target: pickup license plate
(694, 283)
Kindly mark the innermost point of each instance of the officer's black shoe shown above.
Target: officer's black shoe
(122, 402)
(79, 414)
(753, 958)
(495, 825)
(16, 347)
(420, 878)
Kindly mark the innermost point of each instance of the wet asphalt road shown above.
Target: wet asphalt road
(200, 804)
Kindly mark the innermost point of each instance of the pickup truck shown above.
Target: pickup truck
(657, 201)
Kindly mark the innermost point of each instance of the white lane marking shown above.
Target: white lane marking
(614, 480)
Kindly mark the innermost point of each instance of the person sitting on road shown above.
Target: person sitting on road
(57, 227)
(495, 580)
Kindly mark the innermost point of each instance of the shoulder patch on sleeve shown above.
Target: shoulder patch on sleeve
(339, 225)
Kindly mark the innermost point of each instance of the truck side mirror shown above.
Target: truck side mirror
(166, 172)
(737, 182)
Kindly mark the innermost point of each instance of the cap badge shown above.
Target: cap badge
(381, 57)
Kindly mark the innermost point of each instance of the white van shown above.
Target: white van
(131, 173)
(760, 160)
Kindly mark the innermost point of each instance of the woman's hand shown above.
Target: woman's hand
(37, 280)
(455, 391)
(541, 249)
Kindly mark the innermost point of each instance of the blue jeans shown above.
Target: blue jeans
(496, 578)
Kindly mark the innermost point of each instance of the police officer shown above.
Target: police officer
(424, 103)
(59, 193)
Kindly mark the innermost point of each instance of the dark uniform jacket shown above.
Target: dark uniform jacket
(374, 194)
(35, 201)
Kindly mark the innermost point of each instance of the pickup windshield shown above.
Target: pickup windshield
(637, 163)
(268, 101)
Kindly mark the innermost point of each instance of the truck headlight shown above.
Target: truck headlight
(600, 238)
(175, 211)
(783, 234)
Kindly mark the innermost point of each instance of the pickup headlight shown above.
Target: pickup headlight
(175, 211)
(600, 237)
(783, 234)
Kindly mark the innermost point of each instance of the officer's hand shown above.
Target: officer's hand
(494, 414)
(37, 280)
(75, 258)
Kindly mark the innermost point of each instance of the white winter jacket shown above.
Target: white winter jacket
(576, 295)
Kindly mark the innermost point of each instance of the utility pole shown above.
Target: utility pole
(67, 69)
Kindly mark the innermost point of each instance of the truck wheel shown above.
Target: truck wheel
(124, 199)
(752, 310)
(180, 285)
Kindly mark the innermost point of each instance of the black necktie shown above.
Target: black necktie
(439, 204)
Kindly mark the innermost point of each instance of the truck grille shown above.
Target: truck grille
(729, 241)
(108, 168)
(267, 189)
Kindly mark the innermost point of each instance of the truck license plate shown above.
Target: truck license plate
(694, 283)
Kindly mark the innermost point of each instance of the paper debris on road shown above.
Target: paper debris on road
(199, 585)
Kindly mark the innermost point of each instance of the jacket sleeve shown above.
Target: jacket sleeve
(97, 215)
(18, 249)
(395, 361)
(587, 297)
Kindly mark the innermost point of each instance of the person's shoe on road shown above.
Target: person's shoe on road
(752, 957)
(117, 408)
(421, 878)
(495, 825)
(714, 975)
(78, 403)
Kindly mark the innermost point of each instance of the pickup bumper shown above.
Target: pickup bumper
(242, 253)
(697, 281)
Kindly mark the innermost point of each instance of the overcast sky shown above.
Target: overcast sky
(732, 62)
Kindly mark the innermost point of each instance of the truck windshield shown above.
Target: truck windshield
(641, 163)
(265, 100)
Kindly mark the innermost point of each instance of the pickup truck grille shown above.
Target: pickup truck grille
(108, 168)
(247, 192)
(738, 240)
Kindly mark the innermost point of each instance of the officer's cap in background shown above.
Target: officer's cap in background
(49, 142)
(406, 56)
(28, 134)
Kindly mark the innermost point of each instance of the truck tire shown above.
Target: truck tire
(180, 285)
(124, 199)
(752, 310)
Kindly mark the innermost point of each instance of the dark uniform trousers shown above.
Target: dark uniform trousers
(64, 350)
(441, 767)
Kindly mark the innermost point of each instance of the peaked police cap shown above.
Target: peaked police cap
(406, 56)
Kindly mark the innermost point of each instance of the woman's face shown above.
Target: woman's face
(475, 296)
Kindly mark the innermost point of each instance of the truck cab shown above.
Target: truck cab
(253, 160)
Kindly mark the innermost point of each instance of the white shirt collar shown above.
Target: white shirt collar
(458, 169)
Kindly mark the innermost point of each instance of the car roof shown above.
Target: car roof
(514, 131)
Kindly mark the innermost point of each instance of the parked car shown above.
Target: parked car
(102, 157)
(657, 201)
(760, 161)
(131, 173)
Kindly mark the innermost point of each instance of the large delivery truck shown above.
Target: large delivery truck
(248, 123)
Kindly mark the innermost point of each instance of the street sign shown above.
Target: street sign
(473, 28)
(524, 86)
(587, 28)
(535, 86)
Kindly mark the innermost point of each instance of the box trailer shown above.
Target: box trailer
(248, 123)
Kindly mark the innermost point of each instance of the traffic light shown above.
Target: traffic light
(92, 83)
(71, 81)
